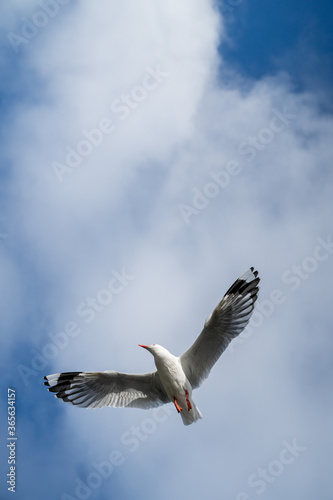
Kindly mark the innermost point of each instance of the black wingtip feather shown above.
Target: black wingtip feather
(63, 382)
(242, 286)
(253, 271)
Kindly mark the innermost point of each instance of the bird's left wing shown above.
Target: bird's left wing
(227, 321)
(109, 388)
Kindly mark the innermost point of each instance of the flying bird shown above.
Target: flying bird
(175, 377)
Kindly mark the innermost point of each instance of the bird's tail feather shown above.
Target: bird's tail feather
(191, 416)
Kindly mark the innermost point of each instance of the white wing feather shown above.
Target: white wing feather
(227, 321)
(109, 388)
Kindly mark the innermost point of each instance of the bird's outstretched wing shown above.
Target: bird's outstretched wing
(227, 321)
(109, 388)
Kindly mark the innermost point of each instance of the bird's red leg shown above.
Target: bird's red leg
(189, 406)
(179, 409)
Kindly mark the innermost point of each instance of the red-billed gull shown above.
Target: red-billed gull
(175, 377)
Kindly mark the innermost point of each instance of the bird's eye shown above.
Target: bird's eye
(154, 344)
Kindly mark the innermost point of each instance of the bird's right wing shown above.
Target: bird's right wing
(109, 388)
(227, 321)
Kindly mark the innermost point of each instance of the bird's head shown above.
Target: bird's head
(154, 349)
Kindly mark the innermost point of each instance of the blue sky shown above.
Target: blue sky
(173, 145)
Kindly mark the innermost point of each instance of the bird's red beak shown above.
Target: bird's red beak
(145, 346)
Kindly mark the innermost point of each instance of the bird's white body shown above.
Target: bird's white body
(175, 377)
(175, 382)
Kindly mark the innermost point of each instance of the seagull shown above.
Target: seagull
(175, 377)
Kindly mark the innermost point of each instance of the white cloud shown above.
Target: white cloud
(120, 208)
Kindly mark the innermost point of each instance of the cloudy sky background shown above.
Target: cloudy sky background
(234, 90)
